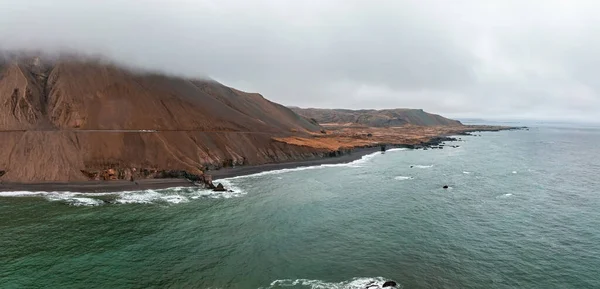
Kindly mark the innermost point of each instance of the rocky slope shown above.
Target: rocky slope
(76, 120)
(375, 118)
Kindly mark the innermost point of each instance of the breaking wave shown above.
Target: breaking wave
(356, 283)
(403, 178)
(176, 195)
(422, 166)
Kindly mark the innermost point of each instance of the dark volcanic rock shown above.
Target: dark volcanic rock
(445, 187)
(220, 188)
(389, 284)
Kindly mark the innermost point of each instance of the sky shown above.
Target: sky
(525, 59)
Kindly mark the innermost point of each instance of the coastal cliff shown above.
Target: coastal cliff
(75, 120)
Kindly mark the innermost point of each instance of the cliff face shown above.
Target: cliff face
(376, 118)
(77, 120)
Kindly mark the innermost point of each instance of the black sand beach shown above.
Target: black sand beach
(249, 170)
(145, 184)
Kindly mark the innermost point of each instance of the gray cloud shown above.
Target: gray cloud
(462, 58)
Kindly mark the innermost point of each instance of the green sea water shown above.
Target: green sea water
(522, 211)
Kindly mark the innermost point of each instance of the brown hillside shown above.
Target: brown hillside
(74, 120)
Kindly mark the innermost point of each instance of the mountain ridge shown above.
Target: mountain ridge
(375, 118)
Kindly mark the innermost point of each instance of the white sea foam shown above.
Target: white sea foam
(20, 194)
(514, 172)
(506, 195)
(422, 166)
(402, 178)
(176, 195)
(396, 149)
(356, 283)
(467, 173)
(85, 202)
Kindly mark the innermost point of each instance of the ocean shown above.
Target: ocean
(522, 211)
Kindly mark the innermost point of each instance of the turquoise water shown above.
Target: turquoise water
(522, 211)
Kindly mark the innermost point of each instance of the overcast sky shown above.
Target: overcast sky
(461, 58)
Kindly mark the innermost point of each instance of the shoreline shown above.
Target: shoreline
(156, 184)
(97, 186)
(353, 155)
(347, 156)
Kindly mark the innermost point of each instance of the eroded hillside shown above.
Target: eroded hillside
(74, 120)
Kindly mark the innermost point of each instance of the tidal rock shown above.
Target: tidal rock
(445, 187)
(219, 188)
(389, 284)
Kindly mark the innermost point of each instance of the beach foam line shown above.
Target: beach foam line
(175, 195)
(355, 283)
(353, 164)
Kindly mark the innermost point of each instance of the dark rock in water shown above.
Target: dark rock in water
(411, 167)
(445, 187)
(219, 188)
(389, 284)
